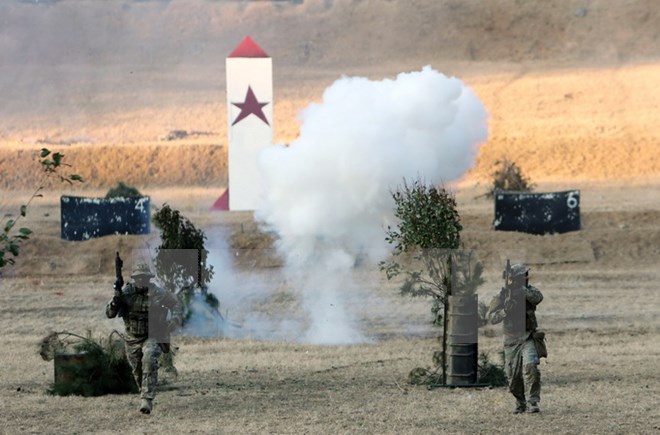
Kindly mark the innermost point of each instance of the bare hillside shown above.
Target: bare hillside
(571, 86)
(329, 33)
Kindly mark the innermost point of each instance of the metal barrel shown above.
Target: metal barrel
(462, 341)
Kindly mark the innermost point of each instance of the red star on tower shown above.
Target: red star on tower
(250, 107)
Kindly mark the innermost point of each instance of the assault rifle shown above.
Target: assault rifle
(119, 283)
(512, 295)
(506, 290)
(506, 273)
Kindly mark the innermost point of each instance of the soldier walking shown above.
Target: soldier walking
(515, 306)
(150, 313)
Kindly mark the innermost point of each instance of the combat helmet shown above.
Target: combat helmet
(142, 269)
(518, 269)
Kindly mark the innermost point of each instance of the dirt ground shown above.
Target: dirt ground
(572, 91)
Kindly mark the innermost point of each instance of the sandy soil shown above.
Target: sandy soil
(572, 91)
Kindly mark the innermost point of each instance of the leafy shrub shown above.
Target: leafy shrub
(482, 313)
(429, 225)
(509, 177)
(490, 373)
(122, 191)
(183, 277)
(428, 218)
(424, 376)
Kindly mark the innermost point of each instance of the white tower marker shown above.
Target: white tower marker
(250, 122)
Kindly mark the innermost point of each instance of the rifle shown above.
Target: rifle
(511, 295)
(506, 290)
(119, 283)
(506, 273)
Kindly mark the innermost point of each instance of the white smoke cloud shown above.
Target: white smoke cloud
(242, 295)
(327, 195)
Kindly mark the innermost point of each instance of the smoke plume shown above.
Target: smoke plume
(328, 194)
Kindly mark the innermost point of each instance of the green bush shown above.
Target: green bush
(424, 376)
(427, 216)
(185, 278)
(123, 191)
(509, 177)
(490, 373)
(103, 368)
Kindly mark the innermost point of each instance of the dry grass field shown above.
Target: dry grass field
(572, 91)
(601, 314)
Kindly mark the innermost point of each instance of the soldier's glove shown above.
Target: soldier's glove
(509, 305)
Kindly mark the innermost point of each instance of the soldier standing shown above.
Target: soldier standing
(150, 313)
(515, 306)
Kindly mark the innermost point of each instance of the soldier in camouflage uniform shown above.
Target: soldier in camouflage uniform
(515, 305)
(145, 308)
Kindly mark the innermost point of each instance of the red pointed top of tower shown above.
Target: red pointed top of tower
(248, 48)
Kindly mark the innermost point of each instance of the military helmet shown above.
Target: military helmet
(518, 269)
(142, 269)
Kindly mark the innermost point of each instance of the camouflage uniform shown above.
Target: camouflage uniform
(516, 306)
(145, 307)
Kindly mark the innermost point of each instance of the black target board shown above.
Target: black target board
(537, 213)
(86, 218)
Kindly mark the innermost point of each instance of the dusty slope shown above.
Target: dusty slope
(329, 33)
(571, 86)
(620, 230)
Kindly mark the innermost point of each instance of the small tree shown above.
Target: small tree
(180, 273)
(509, 177)
(429, 229)
(11, 239)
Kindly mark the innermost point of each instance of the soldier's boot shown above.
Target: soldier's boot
(146, 406)
(534, 408)
(520, 407)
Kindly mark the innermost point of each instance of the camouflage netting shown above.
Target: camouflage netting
(99, 367)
